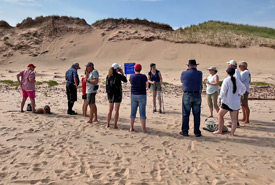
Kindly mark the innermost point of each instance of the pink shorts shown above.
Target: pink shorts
(27, 94)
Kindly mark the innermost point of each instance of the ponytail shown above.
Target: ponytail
(233, 79)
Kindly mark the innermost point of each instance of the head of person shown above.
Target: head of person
(31, 67)
(76, 66)
(152, 66)
(212, 70)
(116, 67)
(137, 68)
(232, 63)
(90, 67)
(192, 63)
(231, 71)
(243, 66)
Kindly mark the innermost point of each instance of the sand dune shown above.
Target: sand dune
(61, 149)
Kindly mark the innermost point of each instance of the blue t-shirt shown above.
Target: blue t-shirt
(70, 75)
(191, 80)
(138, 84)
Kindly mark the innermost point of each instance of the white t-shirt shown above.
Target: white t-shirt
(246, 79)
(90, 87)
(227, 96)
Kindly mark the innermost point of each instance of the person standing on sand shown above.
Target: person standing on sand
(27, 84)
(191, 80)
(229, 100)
(237, 75)
(84, 96)
(246, 79)
(155, 81)
(138, 97)
(72, 81)
(91, 90)
(212, 88)
(114, 91)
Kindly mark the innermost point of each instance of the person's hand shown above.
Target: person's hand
(205, 81)
(154, 82)
(219, 103)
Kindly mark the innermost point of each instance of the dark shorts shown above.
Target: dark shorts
(71, 92)
(225, 107)
(114, 98)
(84, 97)
(91, 98)
(244, 99)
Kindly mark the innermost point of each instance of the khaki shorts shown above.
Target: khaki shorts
(212, 100)
(244, 99)
(156, 87)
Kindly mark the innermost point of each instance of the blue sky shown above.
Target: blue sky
(177, 13)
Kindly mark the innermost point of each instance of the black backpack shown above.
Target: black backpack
(110, 84)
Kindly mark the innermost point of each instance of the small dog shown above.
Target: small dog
(45, 110)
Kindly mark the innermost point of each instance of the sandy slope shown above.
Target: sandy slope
(62, 149)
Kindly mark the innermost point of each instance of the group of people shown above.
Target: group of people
(233, 93)
(139, 83)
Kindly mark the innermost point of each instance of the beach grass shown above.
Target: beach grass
(51, 83)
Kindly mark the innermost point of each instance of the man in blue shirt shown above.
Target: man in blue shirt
(72, 81)
(191, 80)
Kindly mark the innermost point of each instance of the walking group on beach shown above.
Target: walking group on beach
(233, 93)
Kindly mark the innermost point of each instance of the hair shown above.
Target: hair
(137, 70)
(233, 79)
(243, 64)
(111, 72)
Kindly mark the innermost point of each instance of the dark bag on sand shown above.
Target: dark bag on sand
(29, 107)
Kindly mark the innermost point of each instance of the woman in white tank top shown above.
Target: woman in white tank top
(212, 88)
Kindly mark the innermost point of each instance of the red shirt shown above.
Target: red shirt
(83, 85)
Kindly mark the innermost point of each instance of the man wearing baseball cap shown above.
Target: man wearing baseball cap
(27, 84)
(72, 81)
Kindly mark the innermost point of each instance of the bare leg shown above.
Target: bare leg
(221, 114)
(132, 124)
(217, 110)
(211, 112)
(143, 125)
(246, 113)
(154, 99)
(109, 115)
(33, 104)
(234, 119)
(92, 109)
(117, 105)
(95, 112)
(23, 103)
(84, 108)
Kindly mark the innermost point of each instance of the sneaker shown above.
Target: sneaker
(184, 133)
(154, 110)
(160, 111)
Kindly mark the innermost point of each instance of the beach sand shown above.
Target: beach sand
(62, 149)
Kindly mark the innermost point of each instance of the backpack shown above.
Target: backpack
(110, 84)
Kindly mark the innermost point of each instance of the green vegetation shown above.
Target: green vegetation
(16, 84)
(165, 83)
(259, 83)
(10, 82)
(239, 29)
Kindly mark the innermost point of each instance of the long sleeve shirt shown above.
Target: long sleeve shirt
(227, 96)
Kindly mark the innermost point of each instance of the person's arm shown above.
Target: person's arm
(93, 81)
(224, 89)
(244, 76)
(18, 78)
(241, 86)
(149, 79)
(160, 77)
(216, 82)
(123, 77)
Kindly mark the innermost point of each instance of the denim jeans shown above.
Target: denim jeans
(138, 101)
(191, 101)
